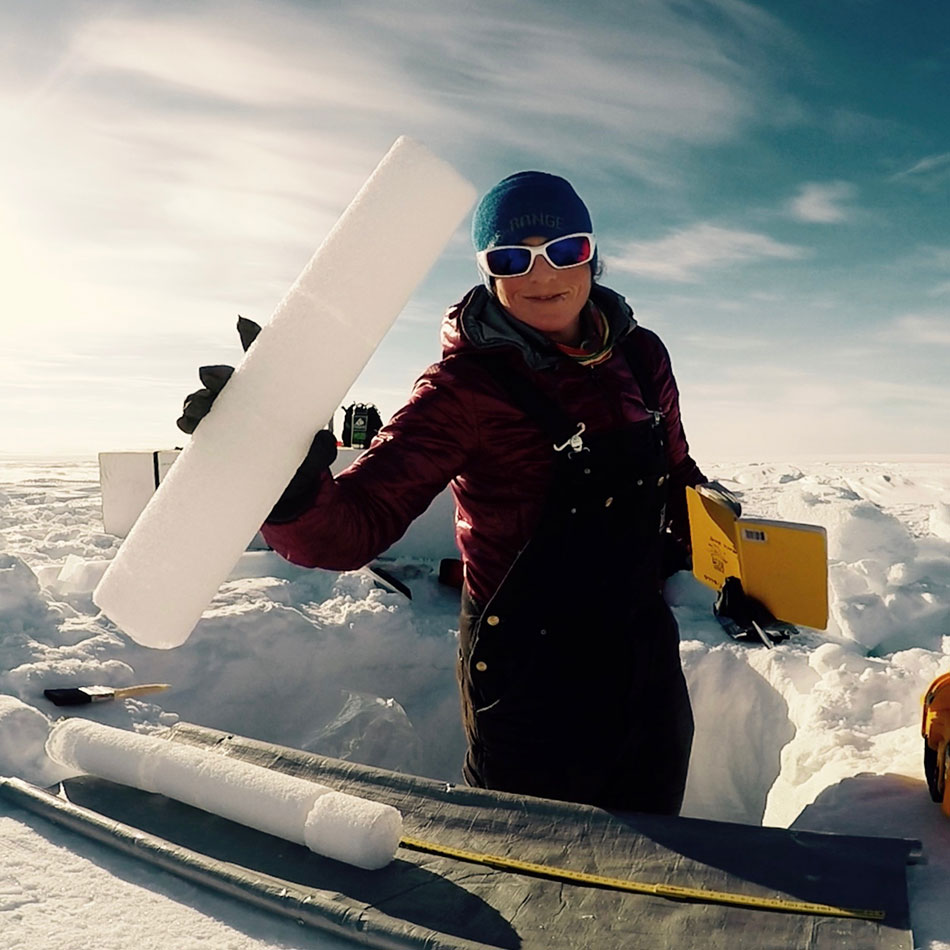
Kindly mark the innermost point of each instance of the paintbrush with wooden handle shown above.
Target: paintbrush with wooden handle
(80, 695)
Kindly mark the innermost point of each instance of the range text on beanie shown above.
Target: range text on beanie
(536, 218)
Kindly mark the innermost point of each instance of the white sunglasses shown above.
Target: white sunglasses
(513, 260)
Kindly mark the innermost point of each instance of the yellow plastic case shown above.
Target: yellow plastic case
(936, 732)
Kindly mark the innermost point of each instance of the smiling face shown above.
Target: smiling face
(546, 298)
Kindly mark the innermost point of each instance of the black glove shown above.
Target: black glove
(300, 494)
(303, 487)
(745, 618)
(213, 378)
(674, 556)
(198, 404)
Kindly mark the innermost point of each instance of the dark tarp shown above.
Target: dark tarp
(443, 902)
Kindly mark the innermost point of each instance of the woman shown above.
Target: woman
(556, 420)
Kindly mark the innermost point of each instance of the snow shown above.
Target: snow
(821, 733)
(240, 459)
(58, 891)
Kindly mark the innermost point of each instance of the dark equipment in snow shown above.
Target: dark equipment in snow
(747, 619)
(80, 695)
(385, 577)
(451, 572)
(547, 871)
(361, 422)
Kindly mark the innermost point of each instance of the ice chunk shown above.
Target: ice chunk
(19, 589)
(351, 829)
(24, 608)
(371, 730)
(79, 576)
(224, 483)
(940, 520)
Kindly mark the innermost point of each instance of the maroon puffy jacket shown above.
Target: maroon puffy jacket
(460, 426)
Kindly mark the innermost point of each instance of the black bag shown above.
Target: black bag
(361, 422)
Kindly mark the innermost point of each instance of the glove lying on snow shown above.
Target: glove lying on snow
(745, 618)
(299, 494)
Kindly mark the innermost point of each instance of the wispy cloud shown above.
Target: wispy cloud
(856, 125)
(926, 166)
(913, 329)
(517, 74)
(167, 166)
(934, 258)
(728, 343)
(927, 264)
(929, 175)
(634, 78)
(822, 203)
(684, 255)
(778, 402)
(254, 59)
(211, 146)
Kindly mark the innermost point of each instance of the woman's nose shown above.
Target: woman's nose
(541, 269)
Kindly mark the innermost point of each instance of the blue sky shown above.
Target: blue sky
(768, 182)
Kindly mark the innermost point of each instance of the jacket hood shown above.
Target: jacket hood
(478, 321)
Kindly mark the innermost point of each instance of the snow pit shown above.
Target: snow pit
(738, 763)
(224, 483)
(349, 828)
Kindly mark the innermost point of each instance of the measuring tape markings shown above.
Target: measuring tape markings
(669, 891)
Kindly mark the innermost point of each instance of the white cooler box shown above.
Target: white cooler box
(128, 480)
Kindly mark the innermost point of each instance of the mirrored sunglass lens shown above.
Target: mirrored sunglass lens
(506, 261)
(569, 251)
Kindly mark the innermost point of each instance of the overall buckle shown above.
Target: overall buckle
(575, 443)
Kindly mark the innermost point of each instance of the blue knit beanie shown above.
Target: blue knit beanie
(528, 204)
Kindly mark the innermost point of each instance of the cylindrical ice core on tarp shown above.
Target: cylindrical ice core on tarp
(223, 485)
(350, 829)
(339, 827)
(85, 747)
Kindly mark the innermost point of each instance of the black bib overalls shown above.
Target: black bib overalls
(570, 675)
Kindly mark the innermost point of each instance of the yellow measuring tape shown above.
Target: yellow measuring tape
(670, 891)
